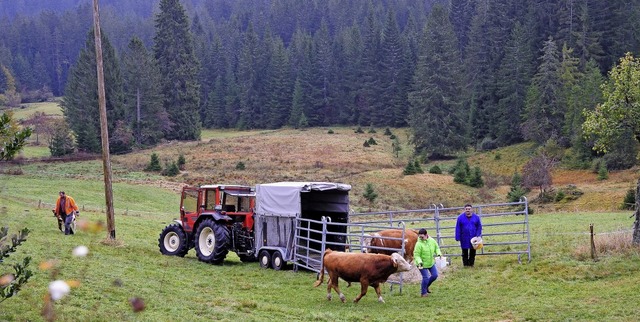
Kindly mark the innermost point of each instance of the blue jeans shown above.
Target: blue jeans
(67, 224)
(428, 276)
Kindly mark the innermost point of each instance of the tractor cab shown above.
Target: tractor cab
(232, 203)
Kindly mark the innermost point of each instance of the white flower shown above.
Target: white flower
(80, 251)
(58, 289)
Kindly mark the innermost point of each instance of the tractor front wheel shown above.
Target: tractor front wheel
(212, 242)
(173, 241)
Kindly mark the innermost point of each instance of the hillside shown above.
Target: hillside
(315, 155)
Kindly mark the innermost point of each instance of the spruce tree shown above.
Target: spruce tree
(436, 116)
(179, 68)
(144, 111)
(80, 103)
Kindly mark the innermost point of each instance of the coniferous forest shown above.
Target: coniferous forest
(459, 73)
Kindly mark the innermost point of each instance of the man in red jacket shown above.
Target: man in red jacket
(66, 209)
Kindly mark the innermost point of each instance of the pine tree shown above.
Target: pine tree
(154, 163)
(174, 51)
(475, 178)
(517, 191)
(392, 80)
(369, 193)
(514, 78)
(436, 116)
(543, 114)
(80, 103)
(144, 111)
(278, 86)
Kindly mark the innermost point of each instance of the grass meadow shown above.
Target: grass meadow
(561, 283)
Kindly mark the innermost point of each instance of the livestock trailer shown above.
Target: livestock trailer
(289, 220)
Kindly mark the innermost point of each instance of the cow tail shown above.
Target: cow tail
(318, 282)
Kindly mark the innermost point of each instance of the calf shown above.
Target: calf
(368, 269)
(383, 239)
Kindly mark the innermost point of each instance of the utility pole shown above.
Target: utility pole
(104, 131)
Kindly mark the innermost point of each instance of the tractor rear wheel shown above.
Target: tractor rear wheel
(212, 242)
(173, 241)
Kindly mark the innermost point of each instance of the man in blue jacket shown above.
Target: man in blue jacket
(467, 227)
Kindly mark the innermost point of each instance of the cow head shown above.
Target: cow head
(365, 242)
(400, 263)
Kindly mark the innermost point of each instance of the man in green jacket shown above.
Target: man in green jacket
(424, 255)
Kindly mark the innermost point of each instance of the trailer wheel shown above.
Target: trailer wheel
(265, 258)
(277, 262)
(212, 242)
(173, 241)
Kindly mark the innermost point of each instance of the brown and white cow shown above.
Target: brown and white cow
(382, 239)
(368, 269)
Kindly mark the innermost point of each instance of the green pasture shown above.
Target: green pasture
(27, 110)
(556, 285)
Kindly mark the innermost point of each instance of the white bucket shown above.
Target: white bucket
(441, 262)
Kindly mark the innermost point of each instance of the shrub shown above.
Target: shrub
(460, 176)
(372, 130)
(181, 161)
(154, 163)
(435, 170)
(387, 131)
(603, 173)
(359, 130)
(475, 178)
(487, 144)
(497, 157)
(171, 170)
(366, 144)
(240, 165)
(410, 169)
(629, 201)
(392, 136)
(369, 194)
(559, 196)
(372, 141)
(416, 165)
(330, 131)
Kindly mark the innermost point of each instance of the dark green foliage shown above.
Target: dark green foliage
(387, 131)
(181, 161)
(61, 141)
(559, 196)
(170, 169)
(517, 191)
(330, 131)
(435, 170)
(359, 130)
(154, 163)
(240, 165)
(175, 54)
(629, 201)
(475, 178)
(11, 142)
(366, 144)
(417, 167)
(80, 104)
(21, 272)
(603, 173)
(392, 136)
(410, 169)
(369, 193)
(371, 130)
(436, 114)
(143, 109)
(460, 176)
(623, 152)
(372, 141)
(497, 157)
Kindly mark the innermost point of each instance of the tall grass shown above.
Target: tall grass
(556, 285)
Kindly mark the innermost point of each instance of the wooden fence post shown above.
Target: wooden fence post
(593, 244)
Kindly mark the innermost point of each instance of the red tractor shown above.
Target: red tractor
(215, 219)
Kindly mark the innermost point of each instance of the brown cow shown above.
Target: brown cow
(368, 269)
(381, 239)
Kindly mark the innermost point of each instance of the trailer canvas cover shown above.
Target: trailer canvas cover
(284, 198)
